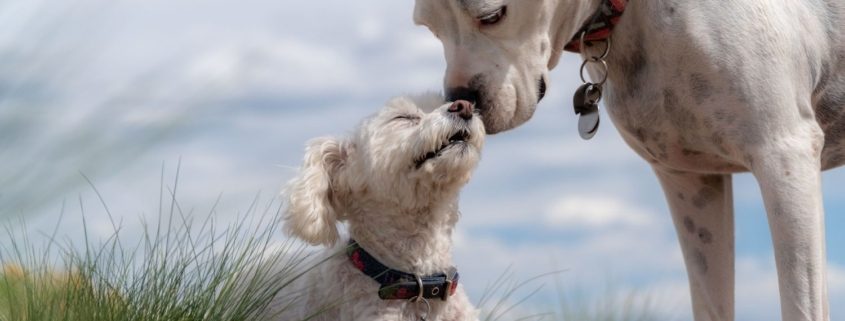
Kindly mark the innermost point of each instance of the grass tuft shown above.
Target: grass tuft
(180, 270)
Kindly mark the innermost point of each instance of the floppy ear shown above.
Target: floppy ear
(310, 214)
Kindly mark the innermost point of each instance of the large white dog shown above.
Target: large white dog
(701, 90)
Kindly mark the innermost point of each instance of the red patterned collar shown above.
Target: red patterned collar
(600, 25)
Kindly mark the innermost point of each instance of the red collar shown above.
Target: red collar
(600, 25)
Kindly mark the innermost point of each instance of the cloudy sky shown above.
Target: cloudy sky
(118, 91)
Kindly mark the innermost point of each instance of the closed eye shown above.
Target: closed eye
(494, 17)
(410, 118)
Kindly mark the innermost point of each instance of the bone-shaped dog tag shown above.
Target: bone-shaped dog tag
(586, 103)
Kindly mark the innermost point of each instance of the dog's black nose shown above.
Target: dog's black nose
(462, 108)
(462, 93)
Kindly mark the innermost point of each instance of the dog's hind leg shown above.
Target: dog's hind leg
(788, 171)
(702, 209)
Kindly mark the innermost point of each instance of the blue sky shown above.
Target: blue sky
(116, 89)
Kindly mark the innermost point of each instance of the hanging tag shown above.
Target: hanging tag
(586, 104)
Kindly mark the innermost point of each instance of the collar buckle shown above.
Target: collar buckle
(447, 292)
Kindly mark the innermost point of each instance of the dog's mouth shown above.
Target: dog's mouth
(458, 138)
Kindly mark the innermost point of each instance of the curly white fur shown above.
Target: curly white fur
(400, 210)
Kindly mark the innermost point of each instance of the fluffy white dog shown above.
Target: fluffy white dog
(700, 90)
(395, 182)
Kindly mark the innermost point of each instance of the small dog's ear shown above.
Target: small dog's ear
(310, 213)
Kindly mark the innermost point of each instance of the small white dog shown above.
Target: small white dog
(395, 182)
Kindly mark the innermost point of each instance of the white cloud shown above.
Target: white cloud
(370, 28)
(287, 66)
(585, 211)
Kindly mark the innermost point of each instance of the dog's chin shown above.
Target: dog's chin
(506, 113)
(452, 168)
(451, 163)
(453, 152)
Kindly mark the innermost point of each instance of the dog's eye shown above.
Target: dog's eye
(411, 118)
(493, 17)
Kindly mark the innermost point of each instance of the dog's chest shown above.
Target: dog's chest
(673, 114)
(686, 95)
(668, 130)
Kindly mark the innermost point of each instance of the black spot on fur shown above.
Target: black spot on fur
(664, 155)
(680, 116)
(681, 196)
(723, 117)
(640, 133)
(632, 66)
(699, 202)
(705, 236)
(636, 63)
(705, 196)
(669, 99)
(718, 140)
(713, 181)
(689, 224)
(690, 152)
(700, 87)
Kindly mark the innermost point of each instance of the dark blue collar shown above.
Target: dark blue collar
(398, 285)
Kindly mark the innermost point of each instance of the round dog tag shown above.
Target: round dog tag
(588, 124)
(586, 104)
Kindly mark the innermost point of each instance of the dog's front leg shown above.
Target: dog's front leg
(702, 209)
(789, 175)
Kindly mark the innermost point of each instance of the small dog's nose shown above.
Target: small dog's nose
(462, 93)
(462, 108)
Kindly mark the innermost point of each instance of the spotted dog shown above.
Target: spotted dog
(700, 90)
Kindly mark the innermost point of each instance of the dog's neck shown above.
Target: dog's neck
(413, 240)
(569, 17)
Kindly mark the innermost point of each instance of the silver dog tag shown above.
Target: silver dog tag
(588, 125)
(586, 103)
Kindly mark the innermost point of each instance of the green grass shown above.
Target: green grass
(181, 270)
